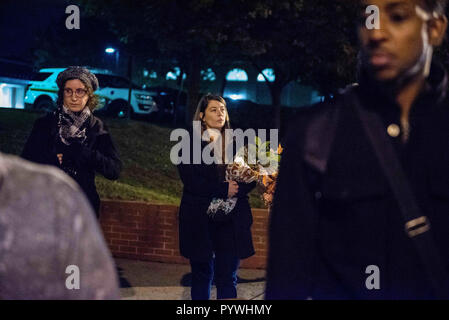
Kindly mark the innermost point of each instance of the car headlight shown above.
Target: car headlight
(143, 96)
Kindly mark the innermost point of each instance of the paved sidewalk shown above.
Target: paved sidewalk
(143, 280)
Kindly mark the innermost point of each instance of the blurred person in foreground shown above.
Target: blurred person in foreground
(46, 226)
(72, 138)
(337, 229)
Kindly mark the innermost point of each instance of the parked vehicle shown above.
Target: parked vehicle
(41, 94)
(168, 100)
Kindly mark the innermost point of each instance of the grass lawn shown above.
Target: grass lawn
(148, 174)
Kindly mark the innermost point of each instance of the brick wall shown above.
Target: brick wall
(143, 231)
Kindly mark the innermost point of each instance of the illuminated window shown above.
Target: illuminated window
(208, 75)
(237, 75)
(153, 75)
(5, 96)
(316, 97)
(236, 96)
(149, 74)
(174, 74)
(269, 73)
(171, 76)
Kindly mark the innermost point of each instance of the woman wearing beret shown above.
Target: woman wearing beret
(72, 138)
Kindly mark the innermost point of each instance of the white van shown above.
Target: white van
(42, 93)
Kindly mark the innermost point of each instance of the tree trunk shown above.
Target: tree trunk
(130, 76)
(221, 72)
(193, 87)
(178, 97)
(223, 85)
(276, 91)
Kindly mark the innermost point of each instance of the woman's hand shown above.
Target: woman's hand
(233, 188)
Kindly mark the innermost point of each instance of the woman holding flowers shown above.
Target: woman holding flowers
(214, 243)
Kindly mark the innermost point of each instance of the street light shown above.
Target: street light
(110, 50)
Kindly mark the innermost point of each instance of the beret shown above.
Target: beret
(77, 72)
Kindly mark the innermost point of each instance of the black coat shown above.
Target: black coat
(202, 183)
(96, 154)
(325, 230)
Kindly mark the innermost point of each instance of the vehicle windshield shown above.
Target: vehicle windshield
(111, 81)
(40, 76)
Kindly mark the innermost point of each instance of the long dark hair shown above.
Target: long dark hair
(202, 106)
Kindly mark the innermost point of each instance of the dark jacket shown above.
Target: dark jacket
(326, 229)
(96, 154)
(202, 183)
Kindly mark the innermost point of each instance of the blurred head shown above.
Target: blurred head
(212, 112)
(76, 89)
(403, 46)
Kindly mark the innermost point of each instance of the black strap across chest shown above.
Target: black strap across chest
(320, 135)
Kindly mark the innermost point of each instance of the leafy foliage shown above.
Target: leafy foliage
(307, 41)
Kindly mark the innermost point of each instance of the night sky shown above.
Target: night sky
(20, 21)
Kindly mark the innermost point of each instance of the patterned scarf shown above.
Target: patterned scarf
(72, 126)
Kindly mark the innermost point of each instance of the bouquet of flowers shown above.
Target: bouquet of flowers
(245, 170)
(267, 175)
(238, 171)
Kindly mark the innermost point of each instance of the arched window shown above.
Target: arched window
(208, 75)
(269, 73)
(236, 96)
(149, 74)
(173, 75)
(237, 75)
